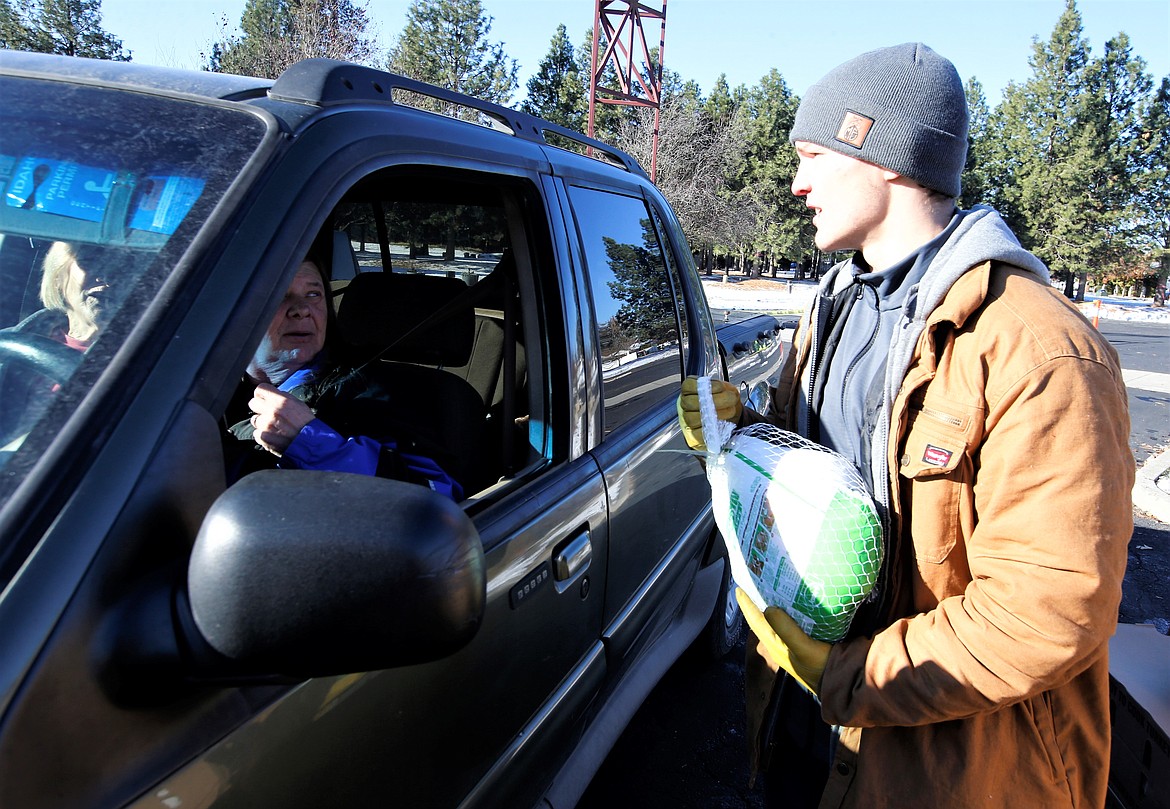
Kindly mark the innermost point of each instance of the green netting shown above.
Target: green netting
(803, 532)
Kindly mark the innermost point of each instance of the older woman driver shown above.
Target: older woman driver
(303, 408)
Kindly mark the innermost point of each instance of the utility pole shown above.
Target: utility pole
(619, 41)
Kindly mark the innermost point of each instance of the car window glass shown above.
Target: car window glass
(427, 291)
(100, 193)
(634, 303)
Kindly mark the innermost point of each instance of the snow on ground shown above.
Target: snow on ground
(780, 296)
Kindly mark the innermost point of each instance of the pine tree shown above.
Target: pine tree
(608, 119)
(66, 27)
(978, 184)
(15, 33)
(766, 172)
(1047, 152)
(1151, 220)
(1065, 143)
(557, 91)
(1117, 90)
(445, 42)
(279, 33)
(720, 104)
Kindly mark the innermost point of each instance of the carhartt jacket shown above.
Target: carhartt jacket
(1009, 502)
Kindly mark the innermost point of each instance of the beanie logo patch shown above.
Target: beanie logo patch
(854, 129)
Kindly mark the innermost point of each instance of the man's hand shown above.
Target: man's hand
(277, 417)
(728, 407)
(784, 645)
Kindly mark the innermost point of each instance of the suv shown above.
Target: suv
(306, 638)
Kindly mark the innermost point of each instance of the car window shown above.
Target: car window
(634, 303)
(101, 191)
(434, 302)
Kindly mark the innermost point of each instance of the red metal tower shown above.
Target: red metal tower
(620, 42)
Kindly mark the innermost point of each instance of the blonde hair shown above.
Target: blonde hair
(58, 260)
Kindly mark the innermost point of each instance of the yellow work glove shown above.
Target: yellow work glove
(728, 407)
(784, 645)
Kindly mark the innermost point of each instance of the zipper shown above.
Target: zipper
(869, 343)
(940, 416)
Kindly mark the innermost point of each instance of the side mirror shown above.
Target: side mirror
(316, 573)
(759, 398)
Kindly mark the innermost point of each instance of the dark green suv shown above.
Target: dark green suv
(173, 636)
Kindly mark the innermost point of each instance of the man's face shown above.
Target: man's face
(297, 332)
(849, 197)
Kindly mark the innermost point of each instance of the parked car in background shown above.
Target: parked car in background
(314, 638)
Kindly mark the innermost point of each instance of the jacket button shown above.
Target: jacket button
(904, 460)
(843, 768)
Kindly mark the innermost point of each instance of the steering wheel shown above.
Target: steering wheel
(38, 353)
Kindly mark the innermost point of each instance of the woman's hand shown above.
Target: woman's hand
(277, 417)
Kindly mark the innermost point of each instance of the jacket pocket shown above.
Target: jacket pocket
(934, 468)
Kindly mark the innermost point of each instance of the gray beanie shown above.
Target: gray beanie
(902, 108)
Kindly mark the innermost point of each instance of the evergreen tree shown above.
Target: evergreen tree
(558, 92)
(1117, 91)
(445, 42)
(15, 33)
(278, 33)
(720, 105)
(648, 305)
(1152, 191)
(1048, 153)
(608, 119)
(766, 171)
(978, 182)
(1066, 142)
(67, 27)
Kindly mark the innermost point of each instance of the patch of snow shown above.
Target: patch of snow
(793, 297)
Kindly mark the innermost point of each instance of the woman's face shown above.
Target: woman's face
(297, 331)
(87, 296)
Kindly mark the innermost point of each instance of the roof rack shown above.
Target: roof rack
(326, 82)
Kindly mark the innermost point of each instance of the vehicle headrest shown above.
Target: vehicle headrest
(408, 317)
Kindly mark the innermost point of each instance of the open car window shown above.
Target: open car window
(101, 191)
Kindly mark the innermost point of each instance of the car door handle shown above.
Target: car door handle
(573, 557)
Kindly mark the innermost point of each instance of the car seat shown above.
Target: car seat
(406, 331)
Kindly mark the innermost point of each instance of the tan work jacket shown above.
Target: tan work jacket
(1011, 476)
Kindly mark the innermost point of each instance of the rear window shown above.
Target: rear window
(101, 192)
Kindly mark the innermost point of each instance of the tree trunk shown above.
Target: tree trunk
(1082, 279)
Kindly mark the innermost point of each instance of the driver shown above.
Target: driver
(304, 412)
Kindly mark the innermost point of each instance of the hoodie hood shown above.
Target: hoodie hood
(980, 236)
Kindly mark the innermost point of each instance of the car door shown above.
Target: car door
(659, 500)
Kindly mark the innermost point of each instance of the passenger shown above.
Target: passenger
(292, 387)
(990, 420)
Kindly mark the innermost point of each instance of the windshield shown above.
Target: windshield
(101, 192)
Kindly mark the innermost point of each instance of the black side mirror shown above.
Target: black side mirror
(315, 573)
(295, 575)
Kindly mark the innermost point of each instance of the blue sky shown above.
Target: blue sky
(744, 39)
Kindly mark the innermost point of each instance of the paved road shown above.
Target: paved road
(686, 747)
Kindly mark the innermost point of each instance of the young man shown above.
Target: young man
(990, 420)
